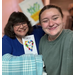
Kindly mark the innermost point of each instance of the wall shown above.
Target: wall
(8, 6)
(64, 6)
(63, 3)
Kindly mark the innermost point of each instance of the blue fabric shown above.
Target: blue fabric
(14, 47)
(22, 65)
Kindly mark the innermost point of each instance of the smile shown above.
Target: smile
(23, 30)
(52, 28)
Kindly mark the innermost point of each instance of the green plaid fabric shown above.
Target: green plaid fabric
(22, 65)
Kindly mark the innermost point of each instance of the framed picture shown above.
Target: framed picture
(31, 9)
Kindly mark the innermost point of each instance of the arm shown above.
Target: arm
(67, 57)
(70, 57)
(6, 46)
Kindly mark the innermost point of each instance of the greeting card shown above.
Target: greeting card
(29, 44)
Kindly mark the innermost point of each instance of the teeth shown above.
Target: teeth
(22, 30)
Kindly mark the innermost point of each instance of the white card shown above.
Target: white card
(29, 44)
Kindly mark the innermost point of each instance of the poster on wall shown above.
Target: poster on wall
(29, 45)
(31, 9)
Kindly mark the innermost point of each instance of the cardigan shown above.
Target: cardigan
(14, 47)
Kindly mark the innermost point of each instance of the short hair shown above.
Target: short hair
(48, 7)
(16, 17)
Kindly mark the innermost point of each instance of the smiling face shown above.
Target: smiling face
(51, 21)
(20, 29)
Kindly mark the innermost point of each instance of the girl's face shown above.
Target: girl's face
(20, 29)
(52, 21)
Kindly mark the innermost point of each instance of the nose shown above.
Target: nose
(21, 26)
(51, 22)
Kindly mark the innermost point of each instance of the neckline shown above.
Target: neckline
(54, 41)
(19, 41)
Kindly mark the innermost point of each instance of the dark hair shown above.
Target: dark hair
(48, 7)
(16, 17)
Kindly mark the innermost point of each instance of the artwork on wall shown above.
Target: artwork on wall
(31, 9)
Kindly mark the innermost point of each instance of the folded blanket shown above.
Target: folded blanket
(22, 65)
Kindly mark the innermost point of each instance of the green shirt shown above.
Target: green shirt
(58, 54)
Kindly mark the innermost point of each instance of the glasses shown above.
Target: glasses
(19, 24)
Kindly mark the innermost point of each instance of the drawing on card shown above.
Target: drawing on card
(29, 45)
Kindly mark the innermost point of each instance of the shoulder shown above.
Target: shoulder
(6, 38)
(37, 29)
(68, 33)
(67, 36)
